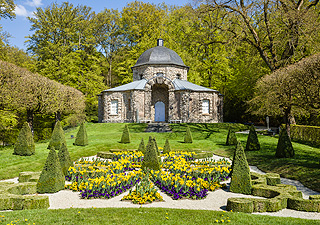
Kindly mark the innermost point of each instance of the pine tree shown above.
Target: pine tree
(166, 147)
(252, 141)
(57, 137)
(82, 137)
(231, 137)
(51, 178)
(284, 147)
(64, 159)
(24, 145)
(240, 178)
(125, 135)
(142, 148)
(188, 137)
(150, 159)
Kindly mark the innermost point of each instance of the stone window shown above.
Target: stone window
(141, 76)
(178, 76)
(114, 107)
(205, 106)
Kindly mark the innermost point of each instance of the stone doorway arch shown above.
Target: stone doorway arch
(160, 112)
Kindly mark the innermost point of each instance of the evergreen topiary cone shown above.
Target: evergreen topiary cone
(51, 178)
(82, 137)
(24, 145)
(64, 159)
(57, 137)
(150, 159)
(252, 141)
(142, 148)
(125, 135)
(188, 137)
(284, 147)
(166, 148)
(240, 177)
(156, 145)
(231, 137)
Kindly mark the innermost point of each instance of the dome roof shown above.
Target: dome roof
(159, 55)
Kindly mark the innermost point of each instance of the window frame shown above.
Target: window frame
(206, 106)
(114, 107)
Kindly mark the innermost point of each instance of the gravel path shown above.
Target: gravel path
(216, 200)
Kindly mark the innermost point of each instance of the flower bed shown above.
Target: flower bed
(180, 177)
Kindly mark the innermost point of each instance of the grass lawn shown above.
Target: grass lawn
(140, 216)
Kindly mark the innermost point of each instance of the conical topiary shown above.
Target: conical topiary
(284, 147)
(156, 145)
(24, 145)
(82, 137)
(252, 141)
(188, 137)
(166, 147)
(57, 137)
(142, 148)
(125, 135)
(51, 178)
(64, 159)
(231, 137)
(240, 178)
(150, 159)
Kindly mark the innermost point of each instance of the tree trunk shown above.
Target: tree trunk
(57, 116)
(287, 117)
(30, 120)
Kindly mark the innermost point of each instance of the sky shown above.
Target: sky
(19, 28)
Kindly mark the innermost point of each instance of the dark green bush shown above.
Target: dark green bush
(24, 145)
(64, 159)
(284, 147)
(305, 134)
(231, 137)
(57, 137)
(150, 159)
(156, 145)
(51, 178)
(188, 137)
(240, 177)
(125, 135)
(142, 147)
(82, 137)
(166, 148)
(252, 141)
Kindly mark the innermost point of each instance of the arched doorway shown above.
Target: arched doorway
(160, 112)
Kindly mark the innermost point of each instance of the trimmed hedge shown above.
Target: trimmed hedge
(24, 145)
(82, 137)
(29, 177)
(142, 147)
(231, 137)
(105, 155)
(300, 204)
(64, 159)
(308, 134)
(166, 147)
(125, 138)
(284, 146)
(188, 137)
(150, 159)
(57, 137)
(252, 141)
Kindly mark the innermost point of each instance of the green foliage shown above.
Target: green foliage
(231, 138)
(305, 134)
(51, 178)
(252, 141)
(150, 159)
(142, 147)
(188, 136)
(156, 145)
(166, 148)
(57, 137)
(284, 147)
(82, 137)
(125, 138)
(240, 178)
(24, 145)
(64, 158)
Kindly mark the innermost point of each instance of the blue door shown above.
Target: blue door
(160, 112)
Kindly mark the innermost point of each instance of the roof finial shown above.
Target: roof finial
(160, 42)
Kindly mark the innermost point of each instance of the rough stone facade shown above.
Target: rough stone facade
(160, 92)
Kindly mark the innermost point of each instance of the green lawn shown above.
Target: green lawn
(141, 216)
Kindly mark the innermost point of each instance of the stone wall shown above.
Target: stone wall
(149, 71)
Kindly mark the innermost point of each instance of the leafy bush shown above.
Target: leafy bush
(64, 159)
(166, 148)
(24, 145)
(51, 178)
(142, 148)
(252, 141)
(57, 137)
(284, 147)
(82, 137)
(188, 137)
(156, 145)
(305, 134)
(231, 137)
(240, 177)
(125, 135)
(150, 159)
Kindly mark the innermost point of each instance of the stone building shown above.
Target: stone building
(160, 92)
